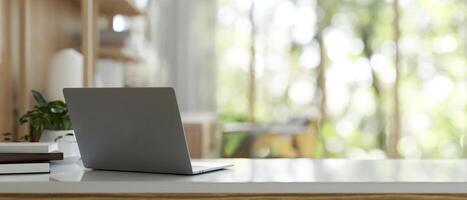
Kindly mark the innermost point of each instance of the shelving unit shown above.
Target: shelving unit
(36, 31)
(115, 7)
(113, 45)
(120, 7)
(108, 9)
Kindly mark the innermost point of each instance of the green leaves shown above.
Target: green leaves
(40, 99)
(57, 107)
(46, 115)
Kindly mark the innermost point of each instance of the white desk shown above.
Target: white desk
(280, 176)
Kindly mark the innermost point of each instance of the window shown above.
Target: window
(381, 75)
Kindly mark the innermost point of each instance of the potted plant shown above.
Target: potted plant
(50, 122)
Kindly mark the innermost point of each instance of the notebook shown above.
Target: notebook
(28, 147)
(29, 157)
(24, 168)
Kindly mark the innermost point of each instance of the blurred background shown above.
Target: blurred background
(363, 79)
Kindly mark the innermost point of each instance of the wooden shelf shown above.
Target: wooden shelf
(116, 7)
(119, 7)
(117, 54)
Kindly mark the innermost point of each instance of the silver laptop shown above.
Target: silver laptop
(131, 129)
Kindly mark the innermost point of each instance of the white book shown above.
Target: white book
(23, 168)
(24, 177)
(28, 147)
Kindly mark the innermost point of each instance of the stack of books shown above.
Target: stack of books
(26, 158)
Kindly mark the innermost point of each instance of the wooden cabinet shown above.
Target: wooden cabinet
(201, 134)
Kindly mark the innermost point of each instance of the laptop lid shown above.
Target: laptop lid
(129, 129)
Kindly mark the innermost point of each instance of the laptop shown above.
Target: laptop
(132, 129)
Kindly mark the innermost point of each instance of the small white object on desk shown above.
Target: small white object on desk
(66, 143)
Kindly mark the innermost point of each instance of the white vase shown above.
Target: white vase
(65, 70)
(66, 141)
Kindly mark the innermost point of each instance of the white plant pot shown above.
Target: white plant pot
(66, 141)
